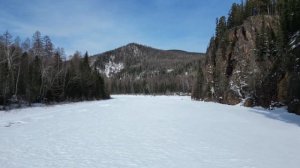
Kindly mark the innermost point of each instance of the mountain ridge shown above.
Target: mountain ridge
(147, 46)
(144, 69)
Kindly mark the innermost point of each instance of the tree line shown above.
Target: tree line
(268, 43)
(287, 10)
(34, 71)
(156, 83)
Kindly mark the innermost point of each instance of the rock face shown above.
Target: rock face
(234, 72)
(294, 106)
(250, 102)
(245, 65)
(292, 79)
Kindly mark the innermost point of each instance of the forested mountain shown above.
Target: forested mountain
(35, 71)
(254, 56)
(136, 68)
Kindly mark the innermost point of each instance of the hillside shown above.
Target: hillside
(234, 72)
(136, 68)
(253, 58)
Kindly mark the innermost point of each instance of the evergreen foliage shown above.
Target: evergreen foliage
(138, 69)
(34, 72)
(277, 47)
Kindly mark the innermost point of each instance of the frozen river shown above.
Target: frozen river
(148, 132)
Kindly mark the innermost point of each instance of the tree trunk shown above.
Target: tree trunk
(17, 82)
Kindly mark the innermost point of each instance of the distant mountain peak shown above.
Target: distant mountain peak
(137, 46)
(133, 44)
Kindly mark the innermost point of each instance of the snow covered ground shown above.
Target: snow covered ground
(148, 132)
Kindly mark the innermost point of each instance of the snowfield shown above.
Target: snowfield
(149, 132)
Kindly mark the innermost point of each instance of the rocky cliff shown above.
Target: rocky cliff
(235, 70)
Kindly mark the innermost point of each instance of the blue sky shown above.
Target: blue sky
(100, 25)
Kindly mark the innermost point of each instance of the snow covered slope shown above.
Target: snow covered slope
(152, 132)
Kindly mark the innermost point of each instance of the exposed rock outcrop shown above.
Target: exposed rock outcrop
(233, 71)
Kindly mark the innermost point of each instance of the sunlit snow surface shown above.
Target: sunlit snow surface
(151, 132)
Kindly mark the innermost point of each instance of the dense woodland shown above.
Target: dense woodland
(276, 50)
(267, 43)
(287, 10)
(34, 71)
